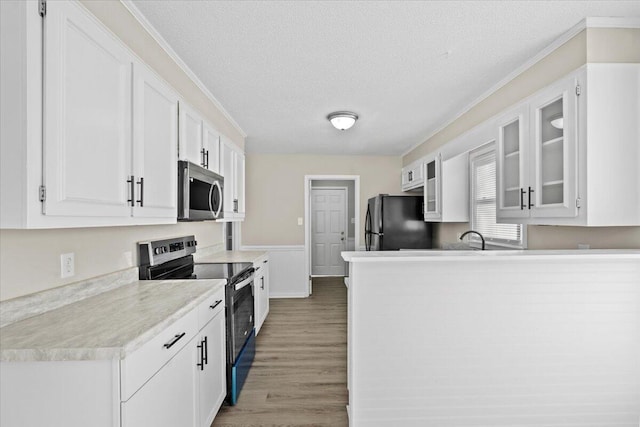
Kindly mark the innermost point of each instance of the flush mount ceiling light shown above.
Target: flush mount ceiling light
(342, 120)
(557, 121)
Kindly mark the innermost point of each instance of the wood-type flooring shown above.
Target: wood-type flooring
(299, 375)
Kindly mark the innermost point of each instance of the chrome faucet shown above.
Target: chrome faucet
(475, 232)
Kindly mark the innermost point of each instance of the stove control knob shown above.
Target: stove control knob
(157, 251)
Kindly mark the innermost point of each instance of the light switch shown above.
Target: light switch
(299, 221)
(353, 220)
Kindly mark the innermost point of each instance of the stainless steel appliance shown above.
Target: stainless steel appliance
(396, 222)
(200, 193)
(173, 259)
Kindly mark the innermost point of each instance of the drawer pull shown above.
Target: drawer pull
(174, 340)
(216, 304)
(265, 261)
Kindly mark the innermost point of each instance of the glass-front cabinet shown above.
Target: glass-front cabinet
(432, 188)
(512, 164)
(553, 161)
(537, 156)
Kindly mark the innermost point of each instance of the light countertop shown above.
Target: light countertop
(230, 256)
(474, 255)
(110, 325)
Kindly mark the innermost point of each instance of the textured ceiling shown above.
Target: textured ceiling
(279, 67)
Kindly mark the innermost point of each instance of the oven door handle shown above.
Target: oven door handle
(244, 283)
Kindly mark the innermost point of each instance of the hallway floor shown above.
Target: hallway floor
(299, 376)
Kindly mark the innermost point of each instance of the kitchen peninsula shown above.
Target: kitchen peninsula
(496, 338)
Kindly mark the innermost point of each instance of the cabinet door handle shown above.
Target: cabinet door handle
(265, 261)
(522, 198)
(174, 340)
(141, 200)
(205, 350)
(256, 270)
(530, 191)
(131, 181)
(207, 159)
(217, 303)
(202, 163)
(201, 362)
(235, 205)
(262, 283)
(410, 176)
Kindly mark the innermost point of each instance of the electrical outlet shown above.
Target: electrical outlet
(458, 236)
(353, 220)
(67, 265)
(299, 221)
(583, 246)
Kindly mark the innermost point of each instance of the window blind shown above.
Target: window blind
(483, 200)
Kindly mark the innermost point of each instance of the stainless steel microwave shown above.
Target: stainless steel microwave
(199, 193)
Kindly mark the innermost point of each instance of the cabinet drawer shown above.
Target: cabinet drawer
(138, 367)
(212, 306)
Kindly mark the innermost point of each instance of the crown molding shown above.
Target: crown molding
(625, 22)
(176, 58)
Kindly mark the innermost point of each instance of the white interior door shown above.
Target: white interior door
(328, 231)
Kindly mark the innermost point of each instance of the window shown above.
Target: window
(483, 203)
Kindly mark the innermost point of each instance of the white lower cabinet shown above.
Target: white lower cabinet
(211, 370)
(178, 378)
(167, 399)
(261, 293)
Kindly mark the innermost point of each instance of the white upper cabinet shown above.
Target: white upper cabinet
(512, 163)
(446, 188)
(552, 175)
(412, 175)
(232, 168)
(155, 138)
(211, 148)
(536, 159)
(87, 116)
(568, 155)
(432, 188)
(191, 135)
(106, 152)
(199, 141)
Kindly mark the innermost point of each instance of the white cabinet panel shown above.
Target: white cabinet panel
(512, 162)
(212, 381)
(211, 147)
(433, 188)
(87, 116)
(167, 399)
(261, 286)
(232, 168)
(413, 175)
(155, 117)
(191, 135)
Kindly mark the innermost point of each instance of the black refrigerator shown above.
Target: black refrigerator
(396, 222)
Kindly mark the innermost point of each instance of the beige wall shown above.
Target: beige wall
(590, 45)
(275, 190)
(30, 259)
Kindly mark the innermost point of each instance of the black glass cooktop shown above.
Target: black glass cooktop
(220, 271)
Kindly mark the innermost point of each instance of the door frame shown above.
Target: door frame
(307, 216)
(346, 224)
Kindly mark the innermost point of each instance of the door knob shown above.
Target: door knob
(342, 238)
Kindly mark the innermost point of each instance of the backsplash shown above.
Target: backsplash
(30, 259)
